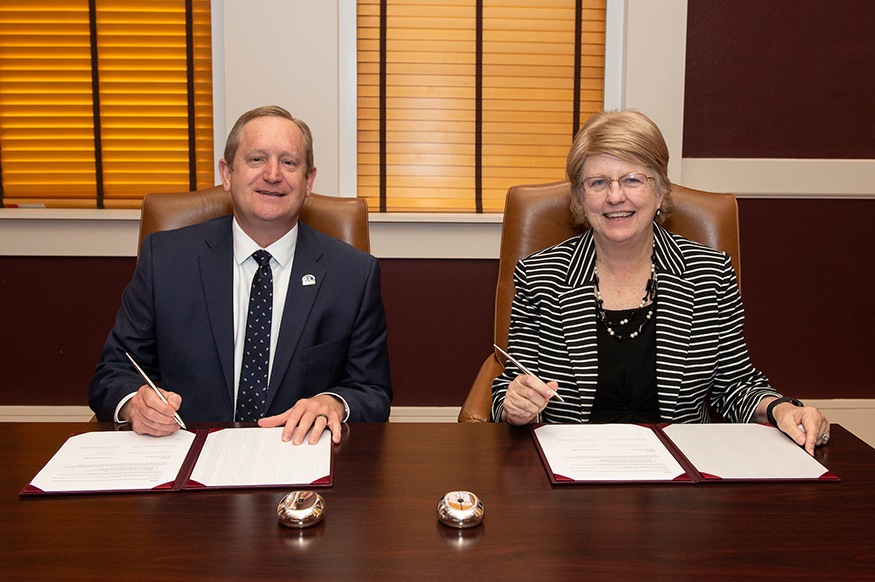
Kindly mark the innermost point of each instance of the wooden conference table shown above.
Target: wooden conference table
(381, 524)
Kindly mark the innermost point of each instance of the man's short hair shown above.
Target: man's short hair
(233, 141)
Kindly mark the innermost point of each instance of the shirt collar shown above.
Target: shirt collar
(282, 250)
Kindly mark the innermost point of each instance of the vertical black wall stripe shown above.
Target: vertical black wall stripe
(478, 114)
(189, 65)
(578, 56)
(383, 25)
(95, 100)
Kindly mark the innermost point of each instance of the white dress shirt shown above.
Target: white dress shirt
(282, 254)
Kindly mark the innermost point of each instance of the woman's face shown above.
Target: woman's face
(619, 217)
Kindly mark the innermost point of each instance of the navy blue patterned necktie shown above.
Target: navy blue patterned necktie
(252, 391)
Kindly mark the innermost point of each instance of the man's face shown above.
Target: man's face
(268, 180)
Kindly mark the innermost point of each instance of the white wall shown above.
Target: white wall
(654, 68)
(282, 52)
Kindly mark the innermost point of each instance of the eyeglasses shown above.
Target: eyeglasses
(630, 183)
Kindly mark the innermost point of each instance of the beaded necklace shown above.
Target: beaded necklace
(649, 293)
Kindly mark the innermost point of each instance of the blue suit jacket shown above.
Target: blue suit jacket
(176, 321)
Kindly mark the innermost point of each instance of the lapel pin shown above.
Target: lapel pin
(308, 280)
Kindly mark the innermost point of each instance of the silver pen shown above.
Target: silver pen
(524, 369)
(155, 388)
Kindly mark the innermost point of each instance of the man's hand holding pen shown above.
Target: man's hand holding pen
(149, 414)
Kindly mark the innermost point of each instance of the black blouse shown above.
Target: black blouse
(627, 370)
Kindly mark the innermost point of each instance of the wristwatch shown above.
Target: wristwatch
(776, 402)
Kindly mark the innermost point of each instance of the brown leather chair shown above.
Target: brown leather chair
(343, 218)
(538, 216)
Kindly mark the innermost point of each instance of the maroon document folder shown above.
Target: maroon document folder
(704, 453)
(83, 466)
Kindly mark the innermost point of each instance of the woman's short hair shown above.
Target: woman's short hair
(628, 135)
(233, 141)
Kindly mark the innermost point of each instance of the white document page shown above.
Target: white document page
(109, 461)
(743, 451)
(607, 452)
(258, 456)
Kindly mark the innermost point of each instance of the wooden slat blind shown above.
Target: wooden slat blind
(460, 99)
(75, 136)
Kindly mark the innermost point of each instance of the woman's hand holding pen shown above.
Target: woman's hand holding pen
(526, 397)
(527, 394)
(148, 414)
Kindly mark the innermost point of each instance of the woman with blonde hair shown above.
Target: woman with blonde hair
(628, 322)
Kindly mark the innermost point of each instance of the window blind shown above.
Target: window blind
(104, 101)
(460, 99)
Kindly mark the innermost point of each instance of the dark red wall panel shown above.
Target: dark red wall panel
(440, 315)
(780, 79)
(808, 286)
(57, 312)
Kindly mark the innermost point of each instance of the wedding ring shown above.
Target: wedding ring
(323, 416)
(824, 437)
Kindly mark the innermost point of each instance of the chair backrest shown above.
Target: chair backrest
(343, 218)
(538, 216)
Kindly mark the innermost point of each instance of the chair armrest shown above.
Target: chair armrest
(478, 405)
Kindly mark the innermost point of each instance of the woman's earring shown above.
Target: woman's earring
(658, 212)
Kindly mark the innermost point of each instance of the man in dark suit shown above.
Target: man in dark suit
(186, 316)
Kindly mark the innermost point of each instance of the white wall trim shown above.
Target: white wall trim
(781, 178)
(347, 102)
(654, 64)
(217, 46)
(114, 233)
(432, 240)
(615, 42)
(79, 233)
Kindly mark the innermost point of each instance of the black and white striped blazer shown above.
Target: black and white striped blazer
(700, 344)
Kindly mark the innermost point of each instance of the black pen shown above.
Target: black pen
(155, 388)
